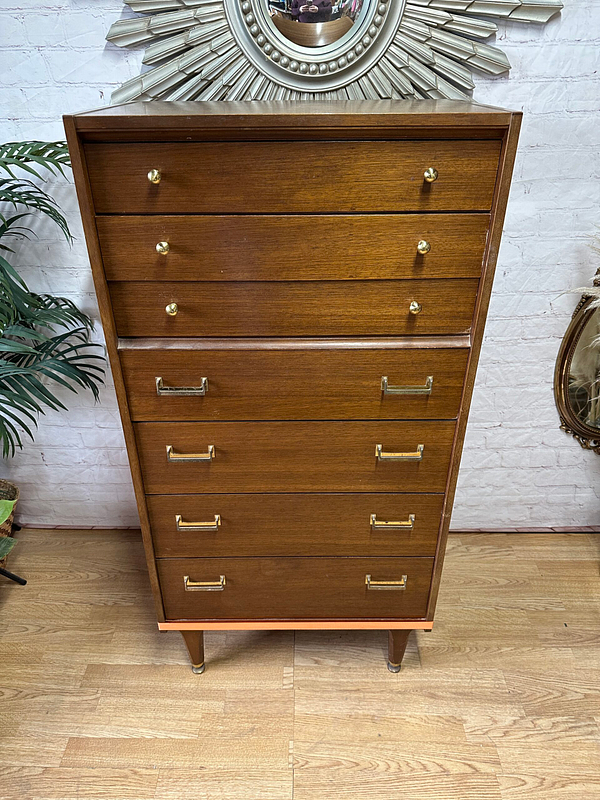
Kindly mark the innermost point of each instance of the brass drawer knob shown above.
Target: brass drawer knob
(422, 248)
(204, 586)
(414, 307)
(430, 174)
(154, 176)
(162, 248)
(179, 458)
(173, 308)
(386, 585)
(381, 455)
(384, 525)
(180, 525)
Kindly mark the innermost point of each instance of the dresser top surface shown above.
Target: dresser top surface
(288, 114)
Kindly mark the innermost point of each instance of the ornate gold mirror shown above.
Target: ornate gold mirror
(577, 376)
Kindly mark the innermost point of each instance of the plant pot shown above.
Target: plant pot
(8, 491)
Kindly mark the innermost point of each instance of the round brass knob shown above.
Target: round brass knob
(172, 309)
(415, 308)
(154, 176)
(163, 248)
(430, 174)
(423, 247)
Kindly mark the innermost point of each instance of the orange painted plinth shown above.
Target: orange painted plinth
(294, 625)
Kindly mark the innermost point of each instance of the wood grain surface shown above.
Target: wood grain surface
(295, 524)
(294, 308)
(305, 588)
(496, 703)
(286, 247)
(259, 177)
(294, 456)
(298, 383)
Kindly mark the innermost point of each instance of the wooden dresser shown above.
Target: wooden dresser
(293, 297)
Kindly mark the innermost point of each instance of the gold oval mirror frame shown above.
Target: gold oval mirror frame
(577, 376)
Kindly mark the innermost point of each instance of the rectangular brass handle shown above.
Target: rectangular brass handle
(387, 389)
(386, 586)
(181, 391)
(204, 586)
(416, 456)
(197, 526)
(379, 525)
(186, 457)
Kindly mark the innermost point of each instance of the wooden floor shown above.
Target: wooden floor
(500, 702)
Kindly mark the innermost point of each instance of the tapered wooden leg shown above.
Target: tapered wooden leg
(194, 641)
(397, 641)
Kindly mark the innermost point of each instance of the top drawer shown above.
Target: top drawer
(292, 177)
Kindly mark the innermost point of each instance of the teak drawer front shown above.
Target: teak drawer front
(294, 308)
(254, 177)
(267, 248)
(295, 588)
(294, 524)
(294, 456)
(300, 383)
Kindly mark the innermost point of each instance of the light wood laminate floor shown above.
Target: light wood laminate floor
(500, 702)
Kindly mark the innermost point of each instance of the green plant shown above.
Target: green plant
(44, 340)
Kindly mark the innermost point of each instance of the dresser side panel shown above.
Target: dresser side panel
(84, 196)
(503, 184)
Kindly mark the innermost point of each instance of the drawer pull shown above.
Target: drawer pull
(162, 248)
(416, 456)
(386, 586)
(431, 174)
(204, 586)
(182, 457)
(382, 525)
(414, 307)
(154, 176)
(181, 391)
(387, 389)
(197, 526)
(422, 248)
(172, 309)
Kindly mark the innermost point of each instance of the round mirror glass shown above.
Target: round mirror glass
(583, 380)
(315, 23)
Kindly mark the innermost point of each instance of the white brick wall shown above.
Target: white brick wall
(519, 469)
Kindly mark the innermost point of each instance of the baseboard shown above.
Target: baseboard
(534, 529)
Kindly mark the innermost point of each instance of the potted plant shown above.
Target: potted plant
(45, 340)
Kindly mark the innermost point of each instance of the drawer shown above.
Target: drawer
(295, 588)
(255, 177)
(295, 524)
(298, 382)
(276, 248)
(294, 456)
(294, 308)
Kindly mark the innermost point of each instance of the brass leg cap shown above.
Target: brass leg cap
(198, 669)
(394, 667)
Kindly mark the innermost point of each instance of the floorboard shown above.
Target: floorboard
(500, 702)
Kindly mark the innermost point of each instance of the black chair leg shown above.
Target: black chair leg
(11, 576)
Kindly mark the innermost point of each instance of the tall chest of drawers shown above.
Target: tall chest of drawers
(293, 297)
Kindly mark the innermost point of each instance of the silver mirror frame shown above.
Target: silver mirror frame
(231, 50)
(318, 69)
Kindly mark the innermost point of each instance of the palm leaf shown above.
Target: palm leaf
(21, 192)
(44, 340)
(53, 156)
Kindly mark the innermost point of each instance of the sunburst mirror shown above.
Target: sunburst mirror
(297, 49)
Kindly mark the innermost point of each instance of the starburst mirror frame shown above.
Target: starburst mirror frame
(230, 50)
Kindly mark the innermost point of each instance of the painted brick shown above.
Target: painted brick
(519, 470)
